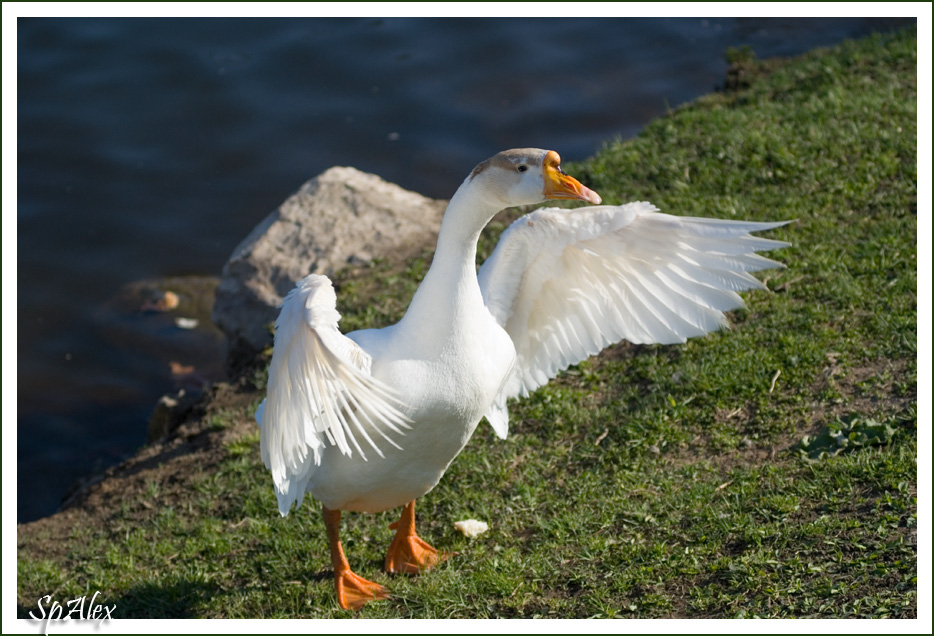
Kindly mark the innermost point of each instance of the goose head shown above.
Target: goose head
(525, 176)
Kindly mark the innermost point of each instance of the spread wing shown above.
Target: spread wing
(567, 283)
(319, 392)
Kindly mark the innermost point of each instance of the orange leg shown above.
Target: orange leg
(407, 552)
(353, 592)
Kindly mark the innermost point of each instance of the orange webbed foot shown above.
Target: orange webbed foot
(408, 553)
(353, 591)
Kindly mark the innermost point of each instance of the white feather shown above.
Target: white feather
(567, 283)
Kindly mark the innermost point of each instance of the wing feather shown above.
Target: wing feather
(319, 392)
(567, 283)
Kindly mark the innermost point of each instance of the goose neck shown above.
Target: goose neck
(451, 280)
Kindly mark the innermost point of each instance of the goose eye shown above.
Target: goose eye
(522, 168)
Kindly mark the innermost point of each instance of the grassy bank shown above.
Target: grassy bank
(769, 470)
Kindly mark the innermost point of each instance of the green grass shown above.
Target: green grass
(650, 481)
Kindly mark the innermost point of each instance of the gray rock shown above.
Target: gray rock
(341, 217)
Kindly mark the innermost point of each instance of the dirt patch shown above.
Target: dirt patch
(871, 386)
(166, 467)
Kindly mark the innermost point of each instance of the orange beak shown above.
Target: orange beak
(562, 186)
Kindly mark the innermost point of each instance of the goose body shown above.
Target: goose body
(371, 420)
(448, 388)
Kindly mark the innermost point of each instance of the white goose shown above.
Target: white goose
(371, 420)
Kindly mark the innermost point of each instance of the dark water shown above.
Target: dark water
(150, 147)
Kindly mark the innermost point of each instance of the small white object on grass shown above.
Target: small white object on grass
(471, 527)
